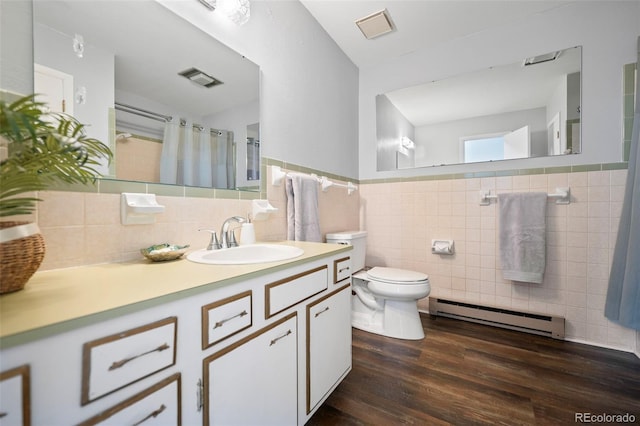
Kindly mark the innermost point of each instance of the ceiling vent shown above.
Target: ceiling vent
(376, 24)
(200, 78)
(541, 58)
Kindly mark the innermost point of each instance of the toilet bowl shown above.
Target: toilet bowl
(385, 300)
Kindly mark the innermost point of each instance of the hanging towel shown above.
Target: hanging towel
(303, 223)
(522, 235)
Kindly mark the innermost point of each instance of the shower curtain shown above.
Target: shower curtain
(196, 156)
(623, 296)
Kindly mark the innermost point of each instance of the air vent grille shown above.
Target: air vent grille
(200, 78)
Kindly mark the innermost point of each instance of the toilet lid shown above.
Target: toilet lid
(394, 275)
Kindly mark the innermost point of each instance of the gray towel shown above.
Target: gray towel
(522, 236)
(303, 222)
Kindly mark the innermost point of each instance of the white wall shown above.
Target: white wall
(441, 142)
(607, 31)
(309, 88)
(16, 27)
(95, 71)
(391, 126)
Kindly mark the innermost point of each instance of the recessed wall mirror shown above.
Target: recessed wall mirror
(176, 105)
(527, 109)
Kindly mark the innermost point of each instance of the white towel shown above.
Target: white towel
(303, 222)
(522, 236)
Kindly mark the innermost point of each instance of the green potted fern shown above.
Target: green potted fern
(37, 150)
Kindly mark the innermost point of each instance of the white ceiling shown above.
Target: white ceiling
(419, 23)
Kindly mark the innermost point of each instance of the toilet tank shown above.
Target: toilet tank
(357, 239)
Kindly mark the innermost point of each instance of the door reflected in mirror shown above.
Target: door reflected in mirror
(132, 83)
(527, 109)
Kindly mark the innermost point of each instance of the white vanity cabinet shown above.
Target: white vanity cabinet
(328, 343)
(254, 382)
(264, 347)
(15, 396)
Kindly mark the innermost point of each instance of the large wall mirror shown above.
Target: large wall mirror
(527, 109)
(176, 105)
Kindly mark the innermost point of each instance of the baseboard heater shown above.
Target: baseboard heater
(528, 322)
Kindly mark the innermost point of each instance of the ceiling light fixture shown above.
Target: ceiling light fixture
(376, 24)
(200, 78)
(238, 11)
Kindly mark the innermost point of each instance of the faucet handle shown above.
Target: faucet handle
(232, 238)
(214, 244)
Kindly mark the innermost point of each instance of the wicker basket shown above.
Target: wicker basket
(19, 259)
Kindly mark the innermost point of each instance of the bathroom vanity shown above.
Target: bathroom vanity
(178, 342)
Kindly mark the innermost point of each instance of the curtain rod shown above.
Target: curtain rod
(159, 117)
(142, 112)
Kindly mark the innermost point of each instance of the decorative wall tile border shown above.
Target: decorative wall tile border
(500, 173)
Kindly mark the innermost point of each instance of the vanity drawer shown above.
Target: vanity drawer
(226, 317)
(287, 292)
(15, 402)
(341, 269)
(115, 361)
(157, 405)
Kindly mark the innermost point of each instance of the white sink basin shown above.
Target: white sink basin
(254, 253)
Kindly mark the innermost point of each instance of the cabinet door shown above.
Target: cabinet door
(15, 396)
(254, 381)
(328, 343)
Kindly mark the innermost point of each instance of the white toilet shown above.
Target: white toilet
(386, 299)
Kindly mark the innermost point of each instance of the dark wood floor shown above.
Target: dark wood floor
(464, 373)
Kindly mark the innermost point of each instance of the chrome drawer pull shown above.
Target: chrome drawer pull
(221, 322)
(322, 311)
(274, 341)
(153, 414)
(118, 364)
(343, 269)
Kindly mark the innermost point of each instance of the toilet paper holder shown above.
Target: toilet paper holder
(442, 247)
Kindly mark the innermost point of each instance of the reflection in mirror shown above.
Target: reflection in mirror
(527, 109)
(253, 152)
(174, 102)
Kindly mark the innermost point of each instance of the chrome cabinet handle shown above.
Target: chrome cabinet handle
(153, 414)
(221, 322)
(274, 341)
(322, 312)
(343, 269)
(118, 364)
(199, 395)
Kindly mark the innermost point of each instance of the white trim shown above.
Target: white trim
(17, 232)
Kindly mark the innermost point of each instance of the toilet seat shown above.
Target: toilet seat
(397, 276)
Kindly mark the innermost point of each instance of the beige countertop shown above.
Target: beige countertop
(63, 299)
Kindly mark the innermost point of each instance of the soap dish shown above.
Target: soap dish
(164, 252)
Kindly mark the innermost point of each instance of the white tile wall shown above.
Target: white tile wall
(402, 218)
(84, 228)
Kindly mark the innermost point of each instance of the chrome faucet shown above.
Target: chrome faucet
(228, 237)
